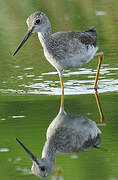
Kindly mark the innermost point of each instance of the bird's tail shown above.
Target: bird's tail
(101, 148)
(93, 32)
(93, 29)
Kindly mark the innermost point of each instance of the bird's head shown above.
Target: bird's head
(37, 22)
(41, 167)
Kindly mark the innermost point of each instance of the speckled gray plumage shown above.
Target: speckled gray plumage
(88, 37)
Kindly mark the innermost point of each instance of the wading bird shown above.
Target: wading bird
(64, 50)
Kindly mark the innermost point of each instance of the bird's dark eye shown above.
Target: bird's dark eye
(42, 168)
(37, 21)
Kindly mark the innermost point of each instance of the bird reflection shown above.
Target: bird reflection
(66, 134)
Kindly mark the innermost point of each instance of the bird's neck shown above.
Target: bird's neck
(49, 150)
(45, 36)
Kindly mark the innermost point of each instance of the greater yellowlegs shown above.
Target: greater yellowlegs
(66, 134)
(64, 50)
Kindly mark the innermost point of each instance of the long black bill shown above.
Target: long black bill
(27, 151)
(29, 33)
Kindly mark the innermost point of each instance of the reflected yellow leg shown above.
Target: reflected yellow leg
(62, 88)
(58, 173)
(102, 120)
(100, 58)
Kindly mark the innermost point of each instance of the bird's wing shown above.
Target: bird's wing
(88, 37)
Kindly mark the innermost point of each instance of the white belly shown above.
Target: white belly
(79, 59)
(72, 60)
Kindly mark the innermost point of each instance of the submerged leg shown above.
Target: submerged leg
(100, 58)
(62, 101)
(62, 88)
(58, 174)
(62, 85)
(102, 120)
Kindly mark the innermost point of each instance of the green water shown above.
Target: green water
(30, 88)
(28, 118)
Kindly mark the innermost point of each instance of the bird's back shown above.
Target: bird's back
(88, 37)
(71, 49)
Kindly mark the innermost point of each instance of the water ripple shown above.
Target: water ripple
(4, 149)
(75, 82)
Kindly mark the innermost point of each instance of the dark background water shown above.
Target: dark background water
(27, 80)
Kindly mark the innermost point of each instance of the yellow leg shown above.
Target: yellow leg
(100, 58)
(62, 88)
(102, 120)
(62, 101)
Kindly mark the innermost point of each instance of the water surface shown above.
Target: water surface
(28, 118)
(27, 80)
